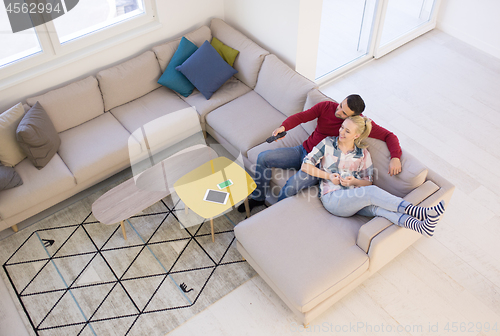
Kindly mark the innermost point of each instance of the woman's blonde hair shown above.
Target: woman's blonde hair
(364, 126)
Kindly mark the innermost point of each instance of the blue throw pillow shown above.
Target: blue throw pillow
(172, 78)
(206, 70)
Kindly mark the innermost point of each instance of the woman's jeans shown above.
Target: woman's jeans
(367, 201)
(285, 158)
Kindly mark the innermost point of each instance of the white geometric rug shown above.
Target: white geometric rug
(71, 275)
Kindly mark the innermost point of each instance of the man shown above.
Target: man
(330, 116)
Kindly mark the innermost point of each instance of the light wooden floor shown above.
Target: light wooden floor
(442, 98)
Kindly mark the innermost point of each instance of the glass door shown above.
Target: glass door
(404, 20)
(355, 31)
(345, 34)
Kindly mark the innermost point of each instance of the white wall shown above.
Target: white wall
(286, 28)
(177, 17)
(273, 24)
(308, 37)
(474, 22)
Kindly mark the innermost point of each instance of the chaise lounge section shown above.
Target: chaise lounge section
(311, 258)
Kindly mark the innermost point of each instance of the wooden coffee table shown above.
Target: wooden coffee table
(191, 188)
(154, 184)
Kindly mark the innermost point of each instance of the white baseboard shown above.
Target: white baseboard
(469, 39)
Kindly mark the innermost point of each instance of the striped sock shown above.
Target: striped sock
(422, 213)
(425, 227)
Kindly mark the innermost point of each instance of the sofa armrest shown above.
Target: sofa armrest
(444, 193)
(383, 241)
(372, 228)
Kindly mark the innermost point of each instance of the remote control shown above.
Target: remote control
(276, 137)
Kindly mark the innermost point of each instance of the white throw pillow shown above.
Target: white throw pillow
(10, 151)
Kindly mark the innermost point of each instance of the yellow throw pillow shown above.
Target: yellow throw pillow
(227, 53)
(10, 151)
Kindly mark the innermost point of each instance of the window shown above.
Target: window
(91, 16)
(16, 46)
(85, 23)
(403, 16)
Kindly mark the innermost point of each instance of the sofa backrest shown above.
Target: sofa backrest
(165, 51)
(283, 88)
(413, 172)
(250, 56)
(129, 80)
(313, 97)
(73, 104)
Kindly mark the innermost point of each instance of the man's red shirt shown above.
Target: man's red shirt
(329, 125)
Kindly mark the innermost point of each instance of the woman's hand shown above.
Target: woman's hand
(335, 178)
(348, 181)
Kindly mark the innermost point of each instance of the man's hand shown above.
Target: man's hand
(348, 181)
(394, 166)
(335, 178)
(279, 130)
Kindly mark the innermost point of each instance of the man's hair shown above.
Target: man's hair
(356, 104)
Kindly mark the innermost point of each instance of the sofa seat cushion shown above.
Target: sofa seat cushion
(232, 89)
(95, 146)
(163, 137)
(308, 253)
(294, 137)
(154, 105)
(129, 80)
(72, 104)
(413, 172)
(232, 122)
(38, 185)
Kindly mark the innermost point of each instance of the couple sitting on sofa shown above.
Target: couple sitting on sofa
(346, 172)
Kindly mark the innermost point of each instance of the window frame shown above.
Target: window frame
(404, 38)
(52, 51)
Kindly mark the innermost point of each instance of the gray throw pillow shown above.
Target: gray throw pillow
(9, 178)
(37, 136)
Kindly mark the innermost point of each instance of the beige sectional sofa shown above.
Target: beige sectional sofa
(308, 256)
(94, 118)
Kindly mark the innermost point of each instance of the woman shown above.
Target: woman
(347, 175)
